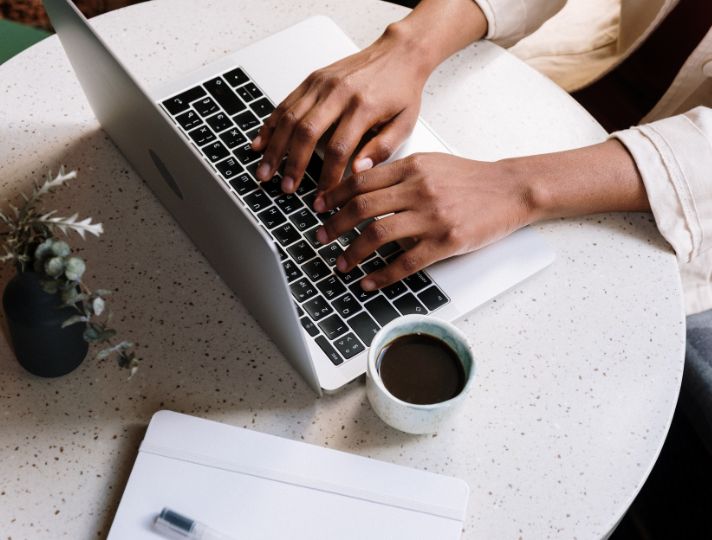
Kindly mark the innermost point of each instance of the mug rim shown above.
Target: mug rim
(436, 321)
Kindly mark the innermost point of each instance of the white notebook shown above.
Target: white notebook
(250, 485)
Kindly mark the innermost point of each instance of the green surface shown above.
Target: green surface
(15, 38)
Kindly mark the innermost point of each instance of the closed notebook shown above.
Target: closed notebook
(250, 485)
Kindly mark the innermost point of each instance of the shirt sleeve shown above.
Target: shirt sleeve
(674, 157)
(508, 21)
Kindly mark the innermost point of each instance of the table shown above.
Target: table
(579, 367)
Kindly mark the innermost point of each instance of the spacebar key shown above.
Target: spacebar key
(328, 350)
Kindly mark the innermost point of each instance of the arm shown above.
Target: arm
(378, 88)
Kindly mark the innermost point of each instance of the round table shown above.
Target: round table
(579, 367)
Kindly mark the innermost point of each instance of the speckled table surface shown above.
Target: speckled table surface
(579, 367)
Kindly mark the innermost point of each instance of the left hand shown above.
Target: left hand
(449, 205)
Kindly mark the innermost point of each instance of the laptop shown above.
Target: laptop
(190, 141)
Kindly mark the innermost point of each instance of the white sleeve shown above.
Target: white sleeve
(508, 21)
(674, 157)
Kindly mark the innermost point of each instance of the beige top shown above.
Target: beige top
(577, 42)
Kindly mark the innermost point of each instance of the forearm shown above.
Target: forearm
(599, 178)
(437, 29)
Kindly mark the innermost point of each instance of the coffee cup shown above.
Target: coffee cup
(423, 366)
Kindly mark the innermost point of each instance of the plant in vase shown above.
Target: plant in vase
(52, 314)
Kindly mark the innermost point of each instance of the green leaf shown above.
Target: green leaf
(44, 249)
(106, 334)
(98, 306)
(60, 248)
(75, 268)
(74, 320)
(50, 287)
(103, 292)
(54, 267)
(119, 347)
(91, 334)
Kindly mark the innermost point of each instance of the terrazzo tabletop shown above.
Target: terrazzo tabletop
(578, 368)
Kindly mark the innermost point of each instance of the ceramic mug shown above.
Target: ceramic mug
(410, 417)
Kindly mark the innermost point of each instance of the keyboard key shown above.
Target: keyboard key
(233, 138)
(289, 203)
(271, 217)
(205, 107)
(328, 350)
(291, 270)
(181, 102)
(302, 290)
(359, 293)
(330, 287)
(333, 326)
(348, 237)
(257, 201)
(301, 252)
(305, 186)
(395, 290)
(381, 310)
(361, 226)
(229, 168)
(252, 169)
(388, 249)
(249, 92)
(408, 304)
(330, 252)
(201, 135)
(222, 93)
(216, 151)
(326, 215)
(373, 265)
(246, 120)
(243, 184)
(317, 308)
(245, 154)
(309, 199)
(282, 253)
(348, 345)
(286, 234)
(236, 77)
(364, 326)
(351, 276)
(310, 235)
(272, 187)
(314, 167)
(417, 281)
(346, 305)
(309, 326)
(303, 220)
(262, 107)
(316, 269)
(433, 298)
(252, 134)
(188, 120)
(300, 311)
(219, 122)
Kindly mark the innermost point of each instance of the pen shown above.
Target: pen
(174, 525)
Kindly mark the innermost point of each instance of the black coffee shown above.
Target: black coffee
(421, 369)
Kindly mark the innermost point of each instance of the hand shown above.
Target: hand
(449, 205)
(377, 88)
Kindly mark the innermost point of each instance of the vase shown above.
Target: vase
(34, 318)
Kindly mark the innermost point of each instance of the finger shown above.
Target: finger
(357, 184)
(281, 135)
(341, 147)
(422, 255)
(389, 139)
(378, 233)
(304, 138)
(260, 142)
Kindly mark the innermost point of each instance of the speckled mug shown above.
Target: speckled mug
(410, 417)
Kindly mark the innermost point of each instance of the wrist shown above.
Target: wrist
(405, 38)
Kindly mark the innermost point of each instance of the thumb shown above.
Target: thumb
(389, 138)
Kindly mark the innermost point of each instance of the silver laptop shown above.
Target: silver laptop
(190, 141)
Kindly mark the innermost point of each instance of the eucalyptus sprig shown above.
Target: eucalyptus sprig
(29, 236)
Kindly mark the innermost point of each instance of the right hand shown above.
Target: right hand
(378, 89)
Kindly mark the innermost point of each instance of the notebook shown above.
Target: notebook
(251, 485)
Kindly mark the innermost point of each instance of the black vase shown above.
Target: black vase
(35, 319)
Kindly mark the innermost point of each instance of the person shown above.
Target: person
(663, 166)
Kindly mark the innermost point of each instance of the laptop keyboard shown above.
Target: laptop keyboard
(221, 117)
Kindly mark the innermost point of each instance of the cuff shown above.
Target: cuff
(508, 21)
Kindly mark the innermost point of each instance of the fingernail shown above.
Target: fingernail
(319, 204)
(341, 264)
(368, 284)
(287, 184)
(363, 164)
(256, 141)
(322, 236)
(263, 171)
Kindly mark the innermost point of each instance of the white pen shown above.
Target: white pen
(174, 525)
